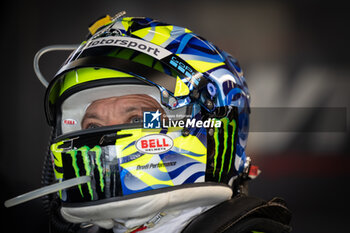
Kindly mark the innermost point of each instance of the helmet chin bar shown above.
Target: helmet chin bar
(127, 159)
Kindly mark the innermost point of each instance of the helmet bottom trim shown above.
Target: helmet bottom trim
(141, 206)
(145, 194)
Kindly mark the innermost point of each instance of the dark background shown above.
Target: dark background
(295, 54)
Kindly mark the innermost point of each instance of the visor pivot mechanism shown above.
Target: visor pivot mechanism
(211, 89)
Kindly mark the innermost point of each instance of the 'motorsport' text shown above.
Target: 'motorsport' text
(132, 43)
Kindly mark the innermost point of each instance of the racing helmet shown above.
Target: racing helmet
(196, 134)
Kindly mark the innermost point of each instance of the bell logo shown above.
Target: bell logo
(154, 144)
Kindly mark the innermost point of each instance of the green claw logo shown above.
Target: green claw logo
(90, 160)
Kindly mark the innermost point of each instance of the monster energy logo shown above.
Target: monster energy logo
(221, 146)
(89, 165)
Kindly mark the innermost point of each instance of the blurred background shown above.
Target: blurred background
(295, 55)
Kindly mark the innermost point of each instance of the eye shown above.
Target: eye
(136, 119)
(92, 126)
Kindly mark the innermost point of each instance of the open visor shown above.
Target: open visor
(127, 159)
(106, 65)
(76, 107)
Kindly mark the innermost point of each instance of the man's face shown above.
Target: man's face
(118, 110)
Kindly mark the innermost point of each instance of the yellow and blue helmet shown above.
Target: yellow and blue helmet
(203, 96)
